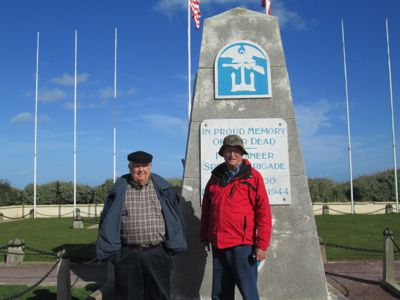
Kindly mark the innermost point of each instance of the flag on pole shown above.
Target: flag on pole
(267, 5)
(195, 8)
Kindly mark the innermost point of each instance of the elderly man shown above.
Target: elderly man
(141, 226)
(236, 220)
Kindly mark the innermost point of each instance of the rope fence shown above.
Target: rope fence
(58, 215)
(89, 215)
(352, 248)
(59, 256)
(17, 218)
(326, 209)
(32, 287)
(395, 244)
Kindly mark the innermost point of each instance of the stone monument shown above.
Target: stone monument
(242, 87)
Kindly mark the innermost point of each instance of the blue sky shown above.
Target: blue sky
(151, 107)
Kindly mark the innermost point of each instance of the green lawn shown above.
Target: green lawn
(51, 235)
(357, 231)
(41, 292)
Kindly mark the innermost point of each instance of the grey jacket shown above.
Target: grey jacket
(109, 238)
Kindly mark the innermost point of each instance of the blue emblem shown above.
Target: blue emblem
(242, 70)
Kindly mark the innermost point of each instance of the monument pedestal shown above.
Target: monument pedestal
(293, 268)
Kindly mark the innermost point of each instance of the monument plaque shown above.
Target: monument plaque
(265, 141)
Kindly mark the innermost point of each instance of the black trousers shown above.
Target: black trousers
(143, 274)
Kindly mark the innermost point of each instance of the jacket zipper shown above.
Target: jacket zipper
(231, 191)
(244, 227)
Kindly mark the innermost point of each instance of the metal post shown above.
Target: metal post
(325, 209)
(114, 111)
(35, 130)
(75, 108)
(64, 277)
(392, 112)
(388, 256)
(348, 124)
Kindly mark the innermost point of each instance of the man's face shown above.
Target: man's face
(140, 172)
(233, 156)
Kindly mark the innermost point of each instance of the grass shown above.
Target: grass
(357, 231)
(52, 235)
(41, 292)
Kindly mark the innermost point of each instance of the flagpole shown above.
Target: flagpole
(391, 108)
(35, 130)
(115, 98)
(348, 123)
(75, 107)
(189, 61)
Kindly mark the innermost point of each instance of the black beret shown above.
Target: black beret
(140, 157)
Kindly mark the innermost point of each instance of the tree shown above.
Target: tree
(322, 189)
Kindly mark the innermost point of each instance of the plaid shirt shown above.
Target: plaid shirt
(142, 218)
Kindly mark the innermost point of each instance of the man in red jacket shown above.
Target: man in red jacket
(236, 220)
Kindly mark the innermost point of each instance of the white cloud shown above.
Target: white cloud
(170, 7)
(51, 95)
(22, 117)
(311, 118)
(324, 153)
(286, 17)
(108, 92)
(167, 124)
(70, 105)
(69, 80)
(28, 117)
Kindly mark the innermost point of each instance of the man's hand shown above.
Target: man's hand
(206, 246)
(260, 254)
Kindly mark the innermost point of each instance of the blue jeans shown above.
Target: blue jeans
(234, 266)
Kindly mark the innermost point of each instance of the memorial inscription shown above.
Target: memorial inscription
(265, 141)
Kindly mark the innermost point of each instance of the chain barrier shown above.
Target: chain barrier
(58, 215)
(36, 252)
(27, 290)
(87, 213)
(352, 248)
(395, 244)
(372, 212)
(347, 213)
(40, 252)
(340, 212)
(94, 220)
(12, 218)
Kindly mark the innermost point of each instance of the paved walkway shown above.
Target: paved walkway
(31, 273)
(355, 280)
(359, 280)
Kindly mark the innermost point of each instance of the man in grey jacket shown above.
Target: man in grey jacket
(141, 227)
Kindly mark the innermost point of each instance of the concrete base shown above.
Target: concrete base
(78, 225)
(15, 252)
(15, 256)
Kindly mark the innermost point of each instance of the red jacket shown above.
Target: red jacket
(237, 212)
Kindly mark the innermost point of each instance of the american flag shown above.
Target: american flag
(267, 5)
(195, 8)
